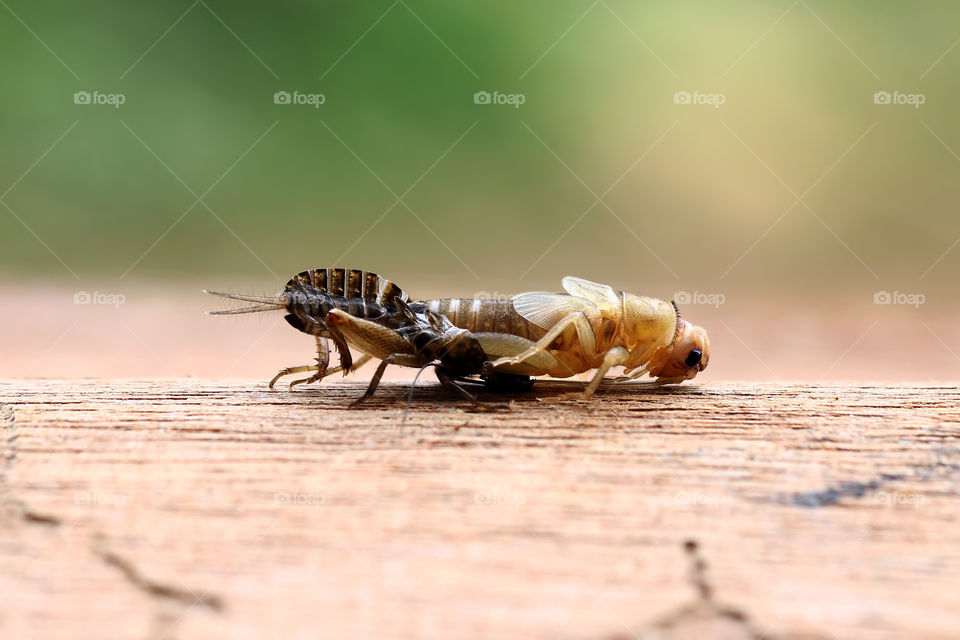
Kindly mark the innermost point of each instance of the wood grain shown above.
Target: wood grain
(188, 508)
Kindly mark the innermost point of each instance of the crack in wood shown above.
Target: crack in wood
(152, 587)
(704, 617)
(8, 499)
(8, 419)
(834, 493)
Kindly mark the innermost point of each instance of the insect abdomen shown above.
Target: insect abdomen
(494, 316)
(310, 295)
(348, 283)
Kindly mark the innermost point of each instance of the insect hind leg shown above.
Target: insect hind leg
(359, 362)
(289, 371)
(323, 360)
(321, 368)
(311, 325)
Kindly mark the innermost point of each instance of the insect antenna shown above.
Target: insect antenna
(265, 303)
(406, 410)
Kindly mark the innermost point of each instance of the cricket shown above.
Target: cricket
(500, 343)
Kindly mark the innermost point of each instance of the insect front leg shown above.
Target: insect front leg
(612, 358)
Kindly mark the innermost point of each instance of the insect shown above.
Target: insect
(309, 296)
(590, 326)
(361, 309)
(420, 338)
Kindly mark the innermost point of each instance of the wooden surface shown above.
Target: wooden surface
(216, 509)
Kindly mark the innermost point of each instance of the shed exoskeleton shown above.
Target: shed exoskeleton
(590, 326)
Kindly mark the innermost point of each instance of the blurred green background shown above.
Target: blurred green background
(499, 194)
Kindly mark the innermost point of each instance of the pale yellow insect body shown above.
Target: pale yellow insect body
(589, 327)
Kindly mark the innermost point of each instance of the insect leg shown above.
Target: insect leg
(505, 345)
(290, 370)
(367, 336)
(318, 328)
(362, 360)
(612, 358)
(346, 358)
(323, 355)
(630, 375)
(447, 381)
(577, 319)
(405, 359)
(359, 362)
(323, 361)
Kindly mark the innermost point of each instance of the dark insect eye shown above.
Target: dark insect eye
(693, 358)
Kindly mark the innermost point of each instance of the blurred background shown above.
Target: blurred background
(788, 171)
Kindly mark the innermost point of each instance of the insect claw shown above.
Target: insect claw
(301, 369)
(301, 381)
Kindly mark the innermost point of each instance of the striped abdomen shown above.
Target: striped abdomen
(494, 316)
(310, 295)
(348, 283)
